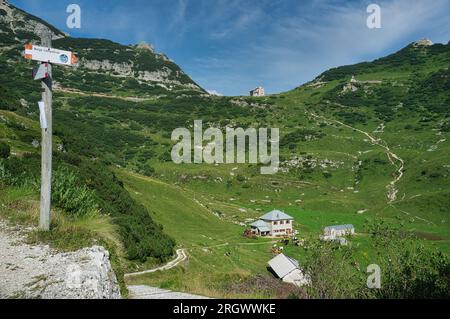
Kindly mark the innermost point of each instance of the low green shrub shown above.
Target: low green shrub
(5, 150)
(69, 195)
(89, 188)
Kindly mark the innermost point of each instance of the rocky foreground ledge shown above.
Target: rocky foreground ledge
(38, 271)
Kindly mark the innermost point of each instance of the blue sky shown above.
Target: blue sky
(232, 46)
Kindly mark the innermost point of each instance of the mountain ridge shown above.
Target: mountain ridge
(411, 51)
(124, 68)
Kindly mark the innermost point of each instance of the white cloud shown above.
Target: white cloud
(235, 45)
(321, 35)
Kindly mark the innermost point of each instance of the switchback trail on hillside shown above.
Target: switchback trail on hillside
(394, 159)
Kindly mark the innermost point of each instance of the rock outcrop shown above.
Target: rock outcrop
(423, 43)
(40, 272)
(122, 67)
(24, 23)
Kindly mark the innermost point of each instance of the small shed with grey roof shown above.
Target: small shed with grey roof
(288, 270)
(261, 227)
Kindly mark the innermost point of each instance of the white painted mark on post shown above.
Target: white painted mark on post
(42, 117)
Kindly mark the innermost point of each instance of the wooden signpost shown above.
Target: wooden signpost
(47, 56)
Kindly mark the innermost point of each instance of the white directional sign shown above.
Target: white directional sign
(55, 56)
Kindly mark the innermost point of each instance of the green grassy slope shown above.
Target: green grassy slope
(354, 188)
(217, 251)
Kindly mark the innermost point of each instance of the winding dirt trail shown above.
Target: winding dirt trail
(394, 159)
(101, 95)
(181, 256)
(148, 292)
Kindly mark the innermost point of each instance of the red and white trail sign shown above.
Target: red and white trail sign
(54, 56)
(41, 72)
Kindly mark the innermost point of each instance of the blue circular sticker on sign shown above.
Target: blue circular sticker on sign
(64, 58)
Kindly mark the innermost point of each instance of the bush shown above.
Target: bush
(8, 99)
(351, 118)
(69, 195)
(327, 174)
(142, 237)
(22, 172)
(445, 127)
(5, 150)
(410, 270)
(89, 188)
(331, 271)
(301, 135)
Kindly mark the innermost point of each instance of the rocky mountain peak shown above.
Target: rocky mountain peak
(24, 26)
(423, 43)
(145, 46)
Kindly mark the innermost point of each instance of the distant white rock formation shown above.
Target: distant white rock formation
(259, 91)
(423, 43)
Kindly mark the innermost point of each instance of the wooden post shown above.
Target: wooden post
(46, 163)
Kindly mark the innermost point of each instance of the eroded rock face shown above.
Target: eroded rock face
(139, 64)
(20, 21)
(125, 70)
(90, 276)
(145, 46)
(37, 271)
(122, 69)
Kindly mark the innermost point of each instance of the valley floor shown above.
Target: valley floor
(220, 260)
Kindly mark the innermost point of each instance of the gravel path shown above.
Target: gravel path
(147, 292)
(181, 256)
